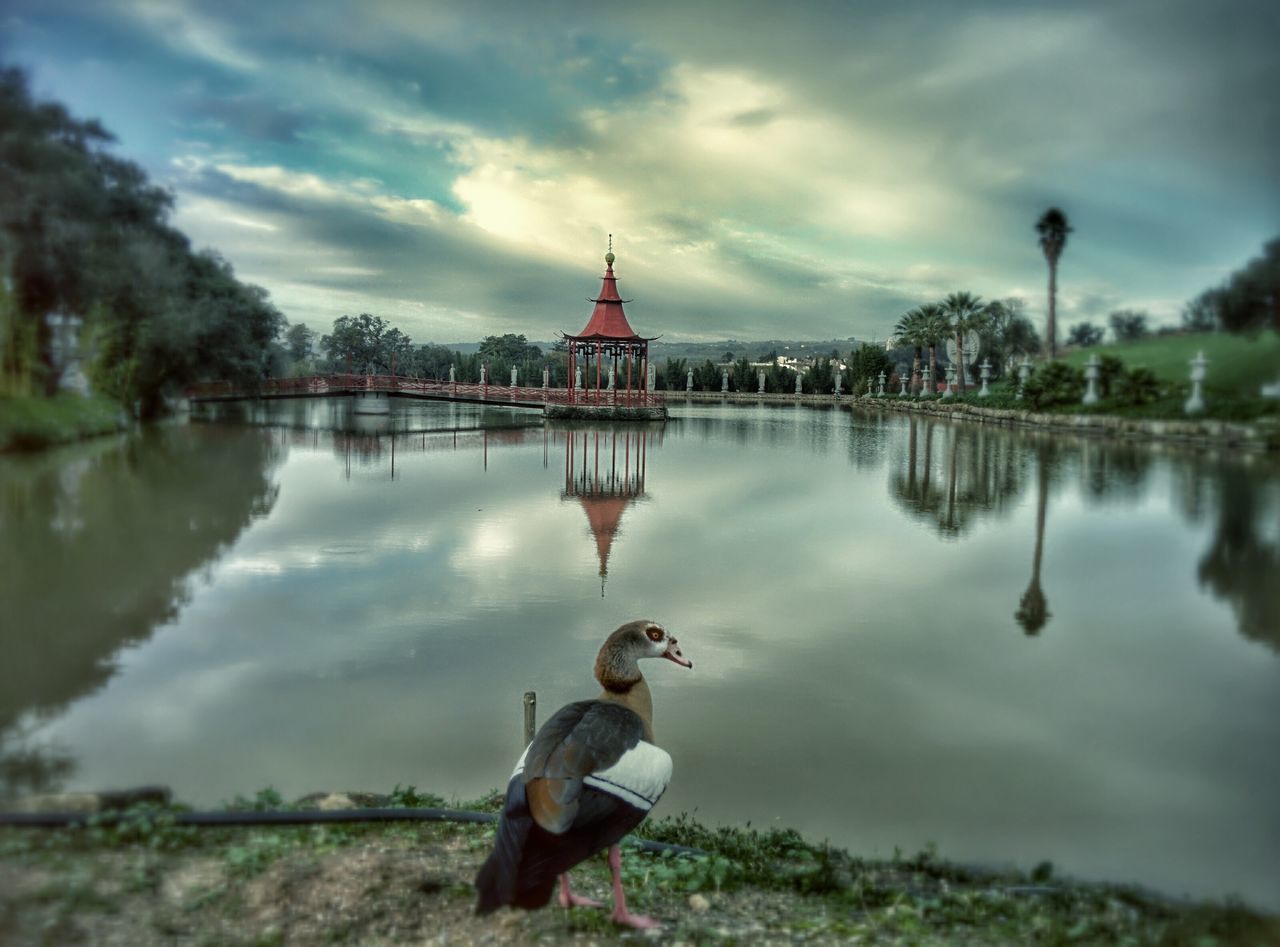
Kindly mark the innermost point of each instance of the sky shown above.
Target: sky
(767, 170)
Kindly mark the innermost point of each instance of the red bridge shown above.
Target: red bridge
(327, 386)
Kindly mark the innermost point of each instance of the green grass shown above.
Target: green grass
(34, 423)
(1237, 363)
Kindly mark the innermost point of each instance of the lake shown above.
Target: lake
(1014, 646)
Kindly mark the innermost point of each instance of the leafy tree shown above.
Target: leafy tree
(1128, 325)
(509, 348)
(299, 341)
(364, 345)
(1203, 314)
(1053, 229)
(1250, 299)
(1008, 332)
(85, 232)
(1085, 334)
(865, 365)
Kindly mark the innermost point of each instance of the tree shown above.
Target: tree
(865, 365)
(1203, 314)
(1008, 332)
(1053, 229)
(86, 233)
(1085, 334)
(935, 328)
(1128, 325)
(912, 330)
(1250, 299)
(298, 341)
(364, 345)
(967, 315)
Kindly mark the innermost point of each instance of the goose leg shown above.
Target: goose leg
(620, 913)
(570, 900)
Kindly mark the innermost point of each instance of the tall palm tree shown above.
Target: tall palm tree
(967, 313)
(934, 328)
(1053, 229)
(911, 331)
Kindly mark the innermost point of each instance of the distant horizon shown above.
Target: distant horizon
(458, 168)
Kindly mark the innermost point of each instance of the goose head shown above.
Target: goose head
(616, 667)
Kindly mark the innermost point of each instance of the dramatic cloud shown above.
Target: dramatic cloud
(456, 167)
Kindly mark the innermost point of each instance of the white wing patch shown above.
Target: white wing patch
(639, 778)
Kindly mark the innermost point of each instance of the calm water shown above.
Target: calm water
(1016, 647)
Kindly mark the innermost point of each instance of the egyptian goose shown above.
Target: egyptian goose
(590, 776)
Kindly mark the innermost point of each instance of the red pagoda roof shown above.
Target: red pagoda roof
(608, 322)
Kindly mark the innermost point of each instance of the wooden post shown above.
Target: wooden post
(530, 715)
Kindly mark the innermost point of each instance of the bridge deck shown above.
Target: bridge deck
(327, 386)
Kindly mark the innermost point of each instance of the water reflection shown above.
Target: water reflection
(98, 547)
(954, 476)
(1033, 609)
(606, 491)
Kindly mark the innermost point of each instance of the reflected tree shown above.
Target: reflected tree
(1033, 609)
(1241, 565)
(98, 545)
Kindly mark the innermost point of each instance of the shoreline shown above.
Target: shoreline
(138, 877)
(1204, 432)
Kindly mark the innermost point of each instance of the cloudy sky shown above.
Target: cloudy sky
(799, 170)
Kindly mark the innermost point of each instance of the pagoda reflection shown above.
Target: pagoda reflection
(604, 470)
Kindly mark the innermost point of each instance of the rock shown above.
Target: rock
(699, 903)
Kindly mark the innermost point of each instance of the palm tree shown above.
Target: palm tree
(967, 313)
(934, 328)
(911, 331)
(1053, 229)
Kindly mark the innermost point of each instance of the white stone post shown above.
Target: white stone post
(724, 380)
(880, 379)
(951, 380)
(688, 382)
(902, 378)
(514, 376)
(546, 378)
(453, 374)
(986, 375)
(926, 383)
(799, 383)
(1092, 370)
(611, 378)
(577, 376)
(651, 375)
(760, 377)
(1195, 404)
(484, 374)
(839, 383)
(1024, 372)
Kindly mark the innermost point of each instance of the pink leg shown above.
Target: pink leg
(620, 913)
(570, 900)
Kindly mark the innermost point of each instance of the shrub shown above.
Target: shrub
(1138, 386)
(1054, 384)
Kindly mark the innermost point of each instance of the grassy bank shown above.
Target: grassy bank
(33, 423)
(1238, 364)
(144, 882)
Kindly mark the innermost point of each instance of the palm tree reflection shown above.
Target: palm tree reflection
(1033, 609)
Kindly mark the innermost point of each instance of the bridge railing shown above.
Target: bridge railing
(322, 385)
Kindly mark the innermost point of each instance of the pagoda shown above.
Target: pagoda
(611, 343)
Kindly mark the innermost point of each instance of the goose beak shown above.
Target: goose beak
(673, 654)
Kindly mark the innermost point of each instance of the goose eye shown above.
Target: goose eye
(654, 633)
